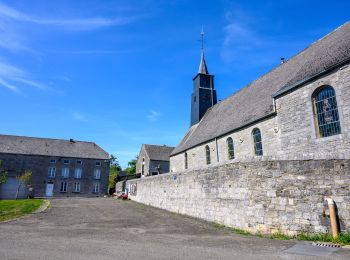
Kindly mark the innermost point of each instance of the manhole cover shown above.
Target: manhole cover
(311, 249)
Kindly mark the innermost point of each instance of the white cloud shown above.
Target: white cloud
(96, 51)
(9, 86)
(243, 44)
(13, 78)
(154, 116)
(76, 23)
(77, 116)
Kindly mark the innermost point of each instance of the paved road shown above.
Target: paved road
(103, 228)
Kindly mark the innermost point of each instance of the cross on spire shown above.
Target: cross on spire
(202, 66)
(202, 38)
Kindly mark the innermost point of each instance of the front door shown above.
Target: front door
(49, 189)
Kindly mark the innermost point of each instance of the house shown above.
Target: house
(153, 160)
(60, 168)
(300, 110)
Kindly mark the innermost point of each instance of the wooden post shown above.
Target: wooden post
(333, 217)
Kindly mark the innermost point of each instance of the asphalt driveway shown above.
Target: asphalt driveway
(103, 228)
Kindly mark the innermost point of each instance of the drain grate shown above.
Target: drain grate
(312, 249)
(326, 245)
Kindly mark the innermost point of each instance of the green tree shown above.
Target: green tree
(114, 170)
(3, 173)
(131, 169)
(113, 175)
(25, 179)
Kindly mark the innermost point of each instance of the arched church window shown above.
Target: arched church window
(326, 112)
(207, 154)
(186, 161)
(230, 148)
(258, 150)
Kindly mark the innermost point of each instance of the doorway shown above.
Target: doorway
(49, 189)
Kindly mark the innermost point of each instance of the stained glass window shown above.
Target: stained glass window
(258, 150)
(326, 112)
(207, 154)
(230, 148)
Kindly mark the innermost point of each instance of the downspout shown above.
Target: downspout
(333, 217)
(274, 105)
(217, 149)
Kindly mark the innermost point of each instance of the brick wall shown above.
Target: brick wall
(260, 195)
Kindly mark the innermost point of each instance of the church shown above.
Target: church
(273, 156)
(299, 110)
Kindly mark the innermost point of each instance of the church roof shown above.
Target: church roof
(254, 101)
(158, 152)
(12, 144)
(202, 65)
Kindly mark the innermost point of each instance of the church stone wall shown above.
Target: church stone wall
(296, 121)
(243, 146)
(290, 135)
(258, 196)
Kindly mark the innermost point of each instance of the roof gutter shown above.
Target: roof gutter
(306, 80)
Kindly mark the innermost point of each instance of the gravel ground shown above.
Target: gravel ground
(104, 228)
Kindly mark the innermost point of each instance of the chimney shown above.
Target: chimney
(283, 60)
(71, 140)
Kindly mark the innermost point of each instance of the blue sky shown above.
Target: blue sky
(119, 73)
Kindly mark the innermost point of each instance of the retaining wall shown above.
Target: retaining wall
(260, 196)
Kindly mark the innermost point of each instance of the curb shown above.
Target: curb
(46, 205)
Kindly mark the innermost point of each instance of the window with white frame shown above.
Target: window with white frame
(98, 163)
(53, 161)
(76, 187)
(97, 174)
(51, 172)
(66, 161)
(65, 172)
(63, 186)
(77, 173)
(96, 187)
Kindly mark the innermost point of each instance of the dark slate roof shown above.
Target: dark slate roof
(202, 65)
(254, 102)
(158, 152)
(50, 147)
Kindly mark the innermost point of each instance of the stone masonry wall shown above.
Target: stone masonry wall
(16, 164)
(290, 135)
(243, 147)
(259, 196)
(296, 120)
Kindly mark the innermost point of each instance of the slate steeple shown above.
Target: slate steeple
(204, 94)
(202, 65)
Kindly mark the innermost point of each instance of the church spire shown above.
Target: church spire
(202, 66)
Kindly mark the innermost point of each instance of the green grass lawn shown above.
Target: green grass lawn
(10, 209)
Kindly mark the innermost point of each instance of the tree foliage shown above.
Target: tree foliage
(26, 179)
(114, 162)
(131, 169)
(113, 175)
